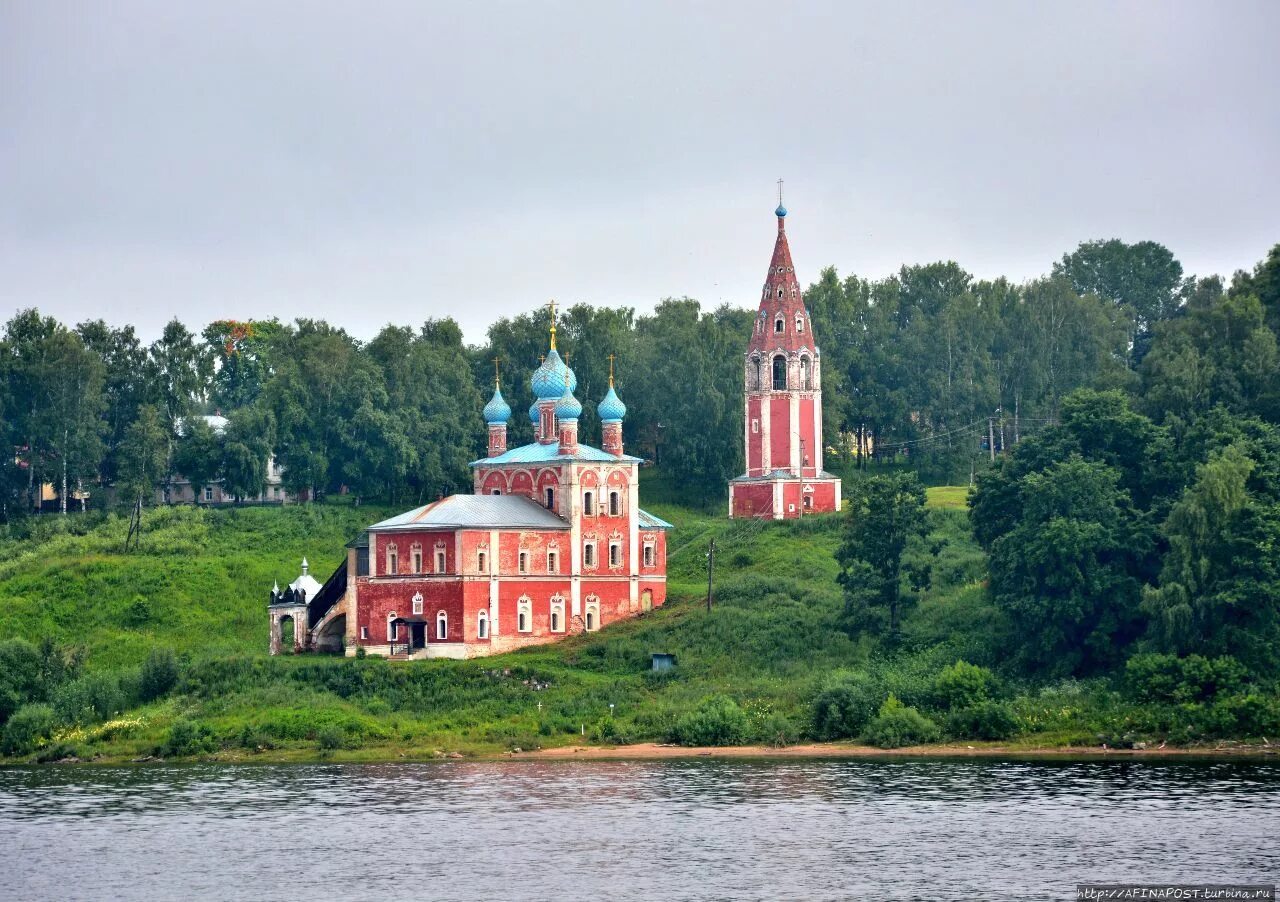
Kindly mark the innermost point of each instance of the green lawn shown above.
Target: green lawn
(948, 497)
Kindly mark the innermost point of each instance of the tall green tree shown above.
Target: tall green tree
(886, 515)
(197, 453)
(142, 457)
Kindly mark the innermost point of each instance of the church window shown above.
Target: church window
(615, 504)
(589, 504)
(615, 554)
(592, 618)
(392, 627)
(482, 625)
(551, 499)
(524, 614)
(442, 625)
(482, 561)
(557, 614)
(755, 426)
(415, 555)
(589, 554)
(805, 377)
(755, 369)
(393, 559)
(440, 560)
(553, 562)
(522, 562)
(799, 323)
(497, 492)
(648, 554)
(417, 602)
(779, 373)
(364, 632)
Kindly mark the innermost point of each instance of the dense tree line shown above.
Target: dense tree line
(920, 366)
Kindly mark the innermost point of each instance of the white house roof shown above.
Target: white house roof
(476, 512)
(306, 582)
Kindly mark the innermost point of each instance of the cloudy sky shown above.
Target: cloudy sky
(392, 161)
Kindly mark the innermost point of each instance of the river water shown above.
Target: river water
(675, 829)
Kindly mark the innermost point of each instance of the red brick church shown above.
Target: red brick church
(782, 412)
(552, 543)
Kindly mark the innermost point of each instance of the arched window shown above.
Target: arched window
(441, 558)
(592, 618)
(482, 625)
(805, 377)
(589, 504)
(589, 554)
(415, 556)
(393, 559)
(553, 561)
(615, 504)
(779, 324)
(442, 625)
(524, 614)
(779, 373)
(551, 499)
(615, 554)
(391, 626)
(755, 374)
(799, 322)
(482, 561)
(417, 602)
(522, 562)
(557, 614)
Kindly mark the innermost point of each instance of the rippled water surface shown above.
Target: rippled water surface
(940, 829)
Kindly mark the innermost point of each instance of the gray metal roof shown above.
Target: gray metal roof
(647, 520)
(476, 512)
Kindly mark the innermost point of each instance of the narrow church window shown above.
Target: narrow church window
(755, 366)
(755, 426)
(393, 559)
(440, 560)
(615, 554)
(779, 373)
(805, 384)
(553, 562)
(589, 504)
(442, 625)
(551, 499)
(417, 557)
(648, 554)
(555, 621)
(615, 504)
(779, 324)
(523, 562)
(392, 627)
(589, 554)
(482, 562)
(417, 602)
(799, 323)
(364, 632)
(482, 625)
(524, 617)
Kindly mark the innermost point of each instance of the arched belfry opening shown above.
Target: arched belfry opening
(779, 373)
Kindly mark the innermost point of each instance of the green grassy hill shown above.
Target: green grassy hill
(761, 666)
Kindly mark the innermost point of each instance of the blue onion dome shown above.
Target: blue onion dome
(781, 211)
(611, 409)
(497, 411)
(568, 407)
(534, 414)
(549, 379)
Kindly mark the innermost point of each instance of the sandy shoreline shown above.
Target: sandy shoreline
(651, 750)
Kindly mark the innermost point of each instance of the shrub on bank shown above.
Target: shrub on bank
(717, 721)
(963, 685)
(898, 725)
(159, 675)
(987, 720)
(845, 705)
(27, 728)
(187, 737)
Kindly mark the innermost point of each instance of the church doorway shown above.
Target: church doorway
(286, 635)
(646, 600)
(418, 635)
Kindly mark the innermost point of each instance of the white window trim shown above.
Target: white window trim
(417, 602)
(650, 554)
(615, 554)
(589, 558)
(482, 625)
(522, 562)
(442, 620)
(391, 637)
(524, 613)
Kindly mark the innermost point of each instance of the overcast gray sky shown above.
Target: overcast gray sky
(368, 162)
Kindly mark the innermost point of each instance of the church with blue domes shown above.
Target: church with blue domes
(552, 542)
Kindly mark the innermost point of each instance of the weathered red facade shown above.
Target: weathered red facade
(782, 405)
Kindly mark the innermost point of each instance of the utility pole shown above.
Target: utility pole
(711, 563)
(991, 437)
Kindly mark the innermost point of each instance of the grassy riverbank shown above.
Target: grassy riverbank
(768, 666)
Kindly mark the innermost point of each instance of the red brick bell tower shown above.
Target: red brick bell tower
(782, 407)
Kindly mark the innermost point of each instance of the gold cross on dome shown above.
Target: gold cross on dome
(779, 192)
(497, 375)
(611, 371)
(551, 305)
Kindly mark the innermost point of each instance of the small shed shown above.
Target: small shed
(662, 661)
